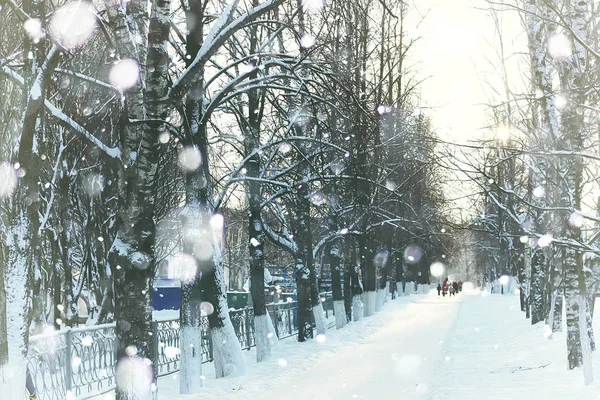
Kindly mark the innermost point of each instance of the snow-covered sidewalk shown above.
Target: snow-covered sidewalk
(391, 352)
(493, 352)
(469, 347)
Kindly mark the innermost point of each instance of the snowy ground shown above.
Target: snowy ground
(418, 347)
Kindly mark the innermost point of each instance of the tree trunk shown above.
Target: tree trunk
(369, 276)
(227, 352)
(349, 277)
(339, 308)
(537, 275)
(190, 311)
(17, 308)
(257, 270)
(558, 312)
(303, 294)
(573, 312)
(256, 235)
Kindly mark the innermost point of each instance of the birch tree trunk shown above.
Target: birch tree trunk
(538, 265)
(22, 224)
(573, 78)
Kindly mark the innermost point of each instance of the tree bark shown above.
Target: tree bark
(339, 308)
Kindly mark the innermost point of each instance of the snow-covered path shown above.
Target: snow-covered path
(398, 359)
(472, 347)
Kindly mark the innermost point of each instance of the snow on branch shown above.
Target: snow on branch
(87, 78)
(223, 29)
(112, 152)
(279, 240)
(46, 216)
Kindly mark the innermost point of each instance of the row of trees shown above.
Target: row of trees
(125, 132)
(538, 176)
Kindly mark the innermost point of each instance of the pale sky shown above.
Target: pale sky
(458, 50)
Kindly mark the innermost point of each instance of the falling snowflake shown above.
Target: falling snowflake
(545, 240)
(524, 239)
(207, 308)
(284, 147)
(72, 24)
(131, 351)
(190, 158)
(33, 27)
(539, 191)
(437, 269)
(307, 41)
(184, 266)
(560, 101)
(75, 363)
(576, 220)
(560, 47)
(171, 352)
(217, 221)
(413, 254)
(312, 5)
(164, 137)
(134, 376)
(124, 74)
(93, 184)
(246, 67)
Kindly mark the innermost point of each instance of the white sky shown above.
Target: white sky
(458, 51)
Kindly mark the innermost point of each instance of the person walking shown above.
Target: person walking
(445, 287)
(439, 289)
(455, 287)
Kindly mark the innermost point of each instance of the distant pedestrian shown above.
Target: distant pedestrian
(455, 287)
(460, 283)
(439, 289)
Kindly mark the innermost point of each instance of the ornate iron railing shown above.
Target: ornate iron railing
(243, 324)
(80, 363)
(285, 319)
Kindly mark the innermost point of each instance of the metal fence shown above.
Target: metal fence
(80, 363)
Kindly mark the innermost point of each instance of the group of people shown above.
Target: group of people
(449, 287)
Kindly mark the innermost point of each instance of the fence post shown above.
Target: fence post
(155, 347)
(210, 342)
(68, 361)
(290, 320)
(248, 327)
(275, 320)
